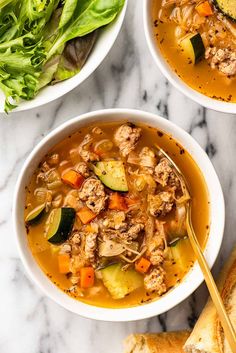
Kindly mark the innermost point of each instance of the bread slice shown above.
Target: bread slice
(208, 336)
(165, 342)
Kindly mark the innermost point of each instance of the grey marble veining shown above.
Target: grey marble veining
(31, 323)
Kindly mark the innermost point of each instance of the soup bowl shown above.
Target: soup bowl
(194, 277)
(168, 72)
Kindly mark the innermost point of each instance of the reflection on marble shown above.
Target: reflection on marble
(31, 323)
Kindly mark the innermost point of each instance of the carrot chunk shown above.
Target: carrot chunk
(72, 178)
(64, 263)
(86, 277)
(117, 202)
(142, 265)
(204, 9)
(86, 215)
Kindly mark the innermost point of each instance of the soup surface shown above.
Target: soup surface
(199, 43)
(105, 214)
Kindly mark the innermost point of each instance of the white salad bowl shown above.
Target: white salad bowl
(190, 282)
(167, 71)
(103, 45)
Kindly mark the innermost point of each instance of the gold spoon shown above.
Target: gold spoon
(211, 285)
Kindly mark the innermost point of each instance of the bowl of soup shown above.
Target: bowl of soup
(99, 214)
(194, 45)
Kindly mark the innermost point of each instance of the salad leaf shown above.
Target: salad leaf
(67, 13)
(46, 41)
(86, 19)
(74, 56)
(4, 3)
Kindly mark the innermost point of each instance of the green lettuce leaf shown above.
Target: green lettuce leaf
(74, 57)
(90, 16)
(67, 12)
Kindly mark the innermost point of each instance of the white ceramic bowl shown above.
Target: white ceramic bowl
(171, 75)
(103, 45)
(193, 278)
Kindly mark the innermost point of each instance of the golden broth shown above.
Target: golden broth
(200, 76)
(47, 259)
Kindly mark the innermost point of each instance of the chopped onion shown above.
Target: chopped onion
(111, 248)
(74, 156)
(103, 146)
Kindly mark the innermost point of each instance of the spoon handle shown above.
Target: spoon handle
(211, 285)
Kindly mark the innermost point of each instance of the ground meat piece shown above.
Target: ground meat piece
(135, 230)
(126, 138)
(92, 192)
(75, 238)
(65, 248)
(147, 157)
(72, 200)
(114, 220)
(155, 250)
(223, 59)
(85, 149)
(156, 244)
(155, 281)
(90, 247)
(164, 174)
(83, 169)
(160, 204)
(53, 159)
(77, 262)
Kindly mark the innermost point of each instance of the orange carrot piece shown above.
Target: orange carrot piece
(64, 263)
(72, 178)
(117, 202)
(142, 265)
(86, 277)
(204, 9)
(86, 215)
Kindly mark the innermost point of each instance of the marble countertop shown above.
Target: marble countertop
(128, 78)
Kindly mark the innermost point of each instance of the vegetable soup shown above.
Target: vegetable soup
(105, 214)
(198, 40)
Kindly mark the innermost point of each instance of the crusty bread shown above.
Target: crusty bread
(165, 342)
(208, 336)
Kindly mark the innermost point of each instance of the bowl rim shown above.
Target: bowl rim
(73, 82)
(177, 82)
(194, 277)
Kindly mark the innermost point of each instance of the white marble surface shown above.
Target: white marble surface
(31, 323)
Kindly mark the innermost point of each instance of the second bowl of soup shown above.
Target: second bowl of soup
(193, 43)
(100, 214)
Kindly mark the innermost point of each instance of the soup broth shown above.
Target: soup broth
(213, 73)
(120, 246)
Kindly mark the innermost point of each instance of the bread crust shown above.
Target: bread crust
(207, 335)
(165, 342)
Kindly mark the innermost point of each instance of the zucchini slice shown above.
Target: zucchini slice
(112, 175)
(227, 7)
(181, 252)
(193, 47)
(35, 215)
(61, 221)
(120, 283)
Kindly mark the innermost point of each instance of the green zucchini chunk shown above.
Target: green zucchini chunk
(193, 47)
(61, 221)
(120, 283)
(112, 175)
(227, 7)
(35, 215)
(182, 252)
